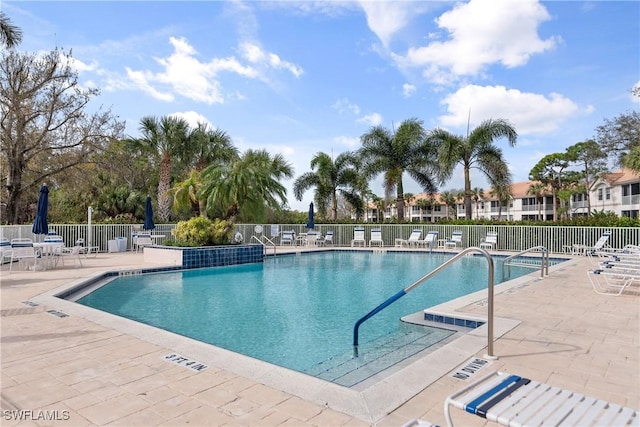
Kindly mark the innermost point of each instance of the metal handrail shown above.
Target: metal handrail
(259, 240)
(432, 273)
(544, 264)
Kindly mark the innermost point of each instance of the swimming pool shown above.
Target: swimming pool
(296, 311)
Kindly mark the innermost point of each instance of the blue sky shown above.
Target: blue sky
(299, 77)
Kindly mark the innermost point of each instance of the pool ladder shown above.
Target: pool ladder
(263, 240)
(528, 262)
(426, 277)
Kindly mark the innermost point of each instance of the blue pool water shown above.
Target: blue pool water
(294, 311)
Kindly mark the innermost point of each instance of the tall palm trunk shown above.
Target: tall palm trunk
(164, 184)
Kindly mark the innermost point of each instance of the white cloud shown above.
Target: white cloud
(184, 74)
(481, 33)
(635, 93)
(351, 142)
(373, 119)
(530, 113)
(386, 18)
(343, 105)
(408, 90)
(193, 118)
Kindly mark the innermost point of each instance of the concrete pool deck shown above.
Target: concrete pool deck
(84, 371)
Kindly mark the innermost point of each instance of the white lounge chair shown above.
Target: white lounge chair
(414, 239)
(287, 238)
(430, 240)
(358, 237)
(489, 241)
(511, 400)
(376, 238)
(5, 250)
(456, 237)
(580, 249)
(614, 278)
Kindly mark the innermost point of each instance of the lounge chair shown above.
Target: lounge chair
(489, 241)
(614, 277)
(430, 240)
(456, 237)
(358, 237)
(414, 239)
(376, 238)
(287, 238)
(579, 249)
(511, 400)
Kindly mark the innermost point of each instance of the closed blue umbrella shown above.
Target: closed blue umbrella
(148, 215)
(40, 225)
(310, 223)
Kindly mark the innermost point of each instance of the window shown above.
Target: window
(631, 189)
(599, 193)
(607, 193)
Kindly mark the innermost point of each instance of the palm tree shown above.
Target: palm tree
(477, 194)
(165, 139)
(475, 151)
(538, 190)
(211, 146)
(248, 187)
(185, 195)
(10, 35)
(449, 200)
(423, 204)
(330, 179)
(394, 153)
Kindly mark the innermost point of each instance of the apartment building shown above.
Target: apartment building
(617, 192)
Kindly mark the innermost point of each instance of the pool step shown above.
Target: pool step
(375, 356)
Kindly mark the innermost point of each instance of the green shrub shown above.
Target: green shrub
(200, 231)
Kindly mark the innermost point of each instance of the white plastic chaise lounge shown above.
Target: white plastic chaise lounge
(429, 240)
(358, 237)
(414, 239)
(614, 277)
(376, 238)
(489, 241)
(328, 238)
(456, 237)
(601, 244)
(511, 400)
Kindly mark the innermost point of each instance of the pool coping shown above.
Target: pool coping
(370, 404)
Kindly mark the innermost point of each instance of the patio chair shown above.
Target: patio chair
(142, 240)
(413, 239)
(489, 241)
(358, 237)
(512, 400)
(580, 249)
(456, 237)
(287, 238)
(72, 253)
(614, 278)
(5, 250)
(376, 237)
(23, 251)
(429, 240)
(87, 250)
(328, 238)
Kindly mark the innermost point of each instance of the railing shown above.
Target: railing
(529, 262)
(426, 277)
(263, 240)
(514, 238)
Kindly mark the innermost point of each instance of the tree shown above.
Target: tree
(165, 139)
(550, 171)
(247, 188)
(10, 35)
(538, 190)
(620, 138)
(475, 151)
(330, 179)
(449, 200)
(45, 128)
(423, 204)
(477, 194)
(394, 153)
(592, 161)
